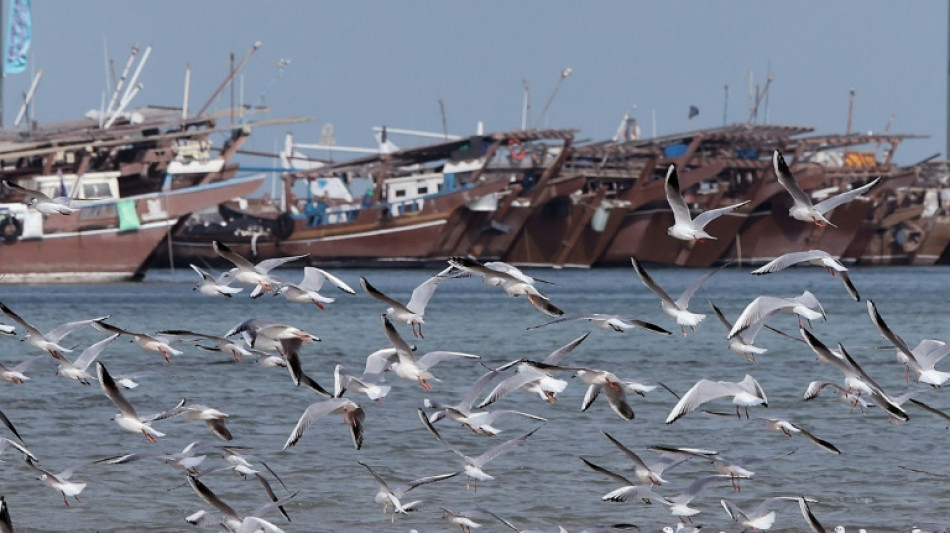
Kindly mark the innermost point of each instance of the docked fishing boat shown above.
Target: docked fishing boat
(129, 185)
(405, 206)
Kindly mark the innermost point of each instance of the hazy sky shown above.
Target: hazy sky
(362, 64)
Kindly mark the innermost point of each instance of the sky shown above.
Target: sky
(359, 64)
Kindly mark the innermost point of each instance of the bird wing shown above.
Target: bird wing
(525, 375)
(423, 293)
(617, 400)
(683, 301)
(650, 284)
(786, 260)
(16, 318)
(821, 443)
(592, 393)
(375, 293)
(887, 332)
(430, 359)
(112, 391)
(830, 203)
(311, 414)
(558, 355)
(379, 480)
(6, 422)
(476, 389)
(494, 452)
(762, 308)
(608, 473)
(787, 181)
(237, 259)
(402, 347)
(314, 278)
(627, 451)
(849, 286)
(704, 218)
(680, 209)
(89, 354)
(267, 265)
(424, 481)
(203, 273)
(378, 361)
(207, 495)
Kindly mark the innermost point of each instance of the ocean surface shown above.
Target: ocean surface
(875, 483)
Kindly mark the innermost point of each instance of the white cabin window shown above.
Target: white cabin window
(400, 193)
(422, 190)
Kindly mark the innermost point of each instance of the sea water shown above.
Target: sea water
(875, 483)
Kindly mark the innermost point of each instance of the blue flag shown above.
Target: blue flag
(19, 33)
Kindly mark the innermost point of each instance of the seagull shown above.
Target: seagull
(819, 258)
(250, 523)
(853, 399)
(411, 313)
(41, 202)
(223, 344)
(214, 286)
(15, 374)
(613, 388)
(307, 291)
(510, 279)
(48, 341)
(676, 309)
(743, 343)
(59, 482)
(652, 473)
(762, 517)
(365, 384)
(267, 335)
(679, 504)
(735, 470)
(78, 369)
(290, 348)
(921, 360)
(615, 322)
(802, 208)
(150, 343)
(353, 416)
(805, 306)
(745, 393)
(408, 367)
(685, 227)
(479, 422)
(628, 491)
(213, 418)
(782, 425)
(534, 377)
(393, 496)
(472, 466)
(127, 418)
(246, 272)
(856, 379)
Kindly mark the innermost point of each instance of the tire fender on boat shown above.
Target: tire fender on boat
(283, 226)
(909, 237)
(10, 229)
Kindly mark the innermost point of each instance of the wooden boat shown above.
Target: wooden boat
(407, 206)
(131, 184)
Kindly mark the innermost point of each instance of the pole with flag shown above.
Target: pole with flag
(693, 111)
(19, 34)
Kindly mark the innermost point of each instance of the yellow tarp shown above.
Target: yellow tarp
(859, 159)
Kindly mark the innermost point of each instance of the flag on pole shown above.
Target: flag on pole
(693, 111)
(19, 33)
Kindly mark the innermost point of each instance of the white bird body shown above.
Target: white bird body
(353, 416)
(818, 258)
(127, 418)
(41, 202)
(247, 272)
(511, 279)
(49, 341)
(407, 367)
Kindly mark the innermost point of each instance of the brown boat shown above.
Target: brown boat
(416, 205)
(129, 185)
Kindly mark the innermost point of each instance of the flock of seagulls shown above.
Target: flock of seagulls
(711, 482)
